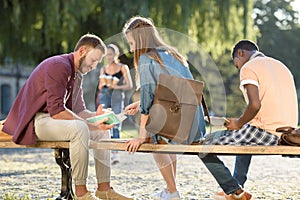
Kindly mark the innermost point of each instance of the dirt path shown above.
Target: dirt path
(33, 172)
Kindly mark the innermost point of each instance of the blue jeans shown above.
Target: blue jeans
(221, 173)
(242, 163)
(248, 135)
(112, 99)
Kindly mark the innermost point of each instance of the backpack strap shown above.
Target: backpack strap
(206, 113)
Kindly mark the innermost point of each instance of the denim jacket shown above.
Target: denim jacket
(149, 71)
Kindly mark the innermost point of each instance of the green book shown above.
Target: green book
(112, 118)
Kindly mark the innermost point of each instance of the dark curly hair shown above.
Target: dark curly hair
(244, 44)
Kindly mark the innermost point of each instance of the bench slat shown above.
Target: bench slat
(4, 137)
(165, 148)
(51, 145)
(196, 149)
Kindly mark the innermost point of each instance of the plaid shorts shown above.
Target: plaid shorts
(247, 135)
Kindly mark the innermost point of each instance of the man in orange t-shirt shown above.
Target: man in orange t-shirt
(269, 90)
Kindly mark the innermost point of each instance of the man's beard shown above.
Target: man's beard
(81, 61)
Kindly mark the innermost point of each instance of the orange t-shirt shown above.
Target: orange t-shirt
(277, 93)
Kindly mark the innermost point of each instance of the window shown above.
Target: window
(5, 98)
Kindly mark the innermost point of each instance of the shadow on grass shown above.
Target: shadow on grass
(11, 151)
(17, 173)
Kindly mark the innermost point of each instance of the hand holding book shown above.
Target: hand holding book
(111, 116)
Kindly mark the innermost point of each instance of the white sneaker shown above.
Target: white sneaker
(159, 195)
(172, 196)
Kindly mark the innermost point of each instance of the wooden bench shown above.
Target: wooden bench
(61, 153)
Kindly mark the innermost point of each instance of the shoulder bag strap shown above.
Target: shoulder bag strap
(205, 108)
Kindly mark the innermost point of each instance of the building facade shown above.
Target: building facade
(12, 78)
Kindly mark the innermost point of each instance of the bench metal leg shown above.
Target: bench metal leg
(62, 157)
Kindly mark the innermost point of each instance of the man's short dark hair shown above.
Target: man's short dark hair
(91, 40)
(244, 44)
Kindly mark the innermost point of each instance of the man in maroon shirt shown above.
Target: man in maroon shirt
(50, 107)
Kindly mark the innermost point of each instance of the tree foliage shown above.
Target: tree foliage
(279, 30)
(32, 30)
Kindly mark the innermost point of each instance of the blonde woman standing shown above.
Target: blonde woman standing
(151, 58)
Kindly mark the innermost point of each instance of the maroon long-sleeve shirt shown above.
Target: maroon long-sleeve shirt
(51, 88)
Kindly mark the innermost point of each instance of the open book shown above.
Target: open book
(115, 140)
(112, 118)
(217, 121)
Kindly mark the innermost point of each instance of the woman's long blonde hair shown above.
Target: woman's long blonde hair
(147, 39)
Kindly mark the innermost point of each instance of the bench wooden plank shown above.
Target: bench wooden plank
(3, 136)
(165, 148)
(44, 144)
(196, 149)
